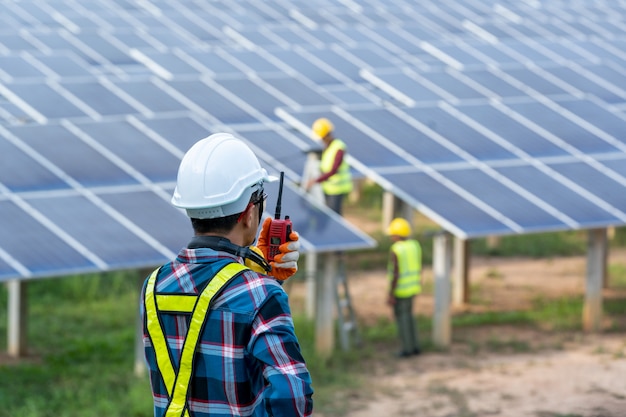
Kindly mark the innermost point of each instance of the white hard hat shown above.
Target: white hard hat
(217, 177)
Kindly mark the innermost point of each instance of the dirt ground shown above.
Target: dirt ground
(556, 374)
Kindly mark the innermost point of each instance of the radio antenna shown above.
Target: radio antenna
(280, 196)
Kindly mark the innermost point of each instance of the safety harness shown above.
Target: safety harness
(177, 381)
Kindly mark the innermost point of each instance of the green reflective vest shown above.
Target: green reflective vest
(341, 181)
(409, 257)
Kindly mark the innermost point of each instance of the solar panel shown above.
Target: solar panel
(12, 67)
(41, 101)
(489, 118)
(63, 65)
(66, 154)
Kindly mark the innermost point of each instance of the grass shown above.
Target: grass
(81, 346)
(81, 337)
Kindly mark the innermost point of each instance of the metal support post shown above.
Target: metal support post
(596, 269)
(442, 259)
(324, 326)
(17, 314)
(346, 318)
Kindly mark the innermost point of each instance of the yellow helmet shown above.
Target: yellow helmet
(322, 126)
(399, 227)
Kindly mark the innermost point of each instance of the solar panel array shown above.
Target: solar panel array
(491, 118)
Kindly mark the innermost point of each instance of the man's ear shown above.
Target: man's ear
(249, 216)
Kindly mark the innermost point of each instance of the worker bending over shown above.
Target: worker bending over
(335, 178)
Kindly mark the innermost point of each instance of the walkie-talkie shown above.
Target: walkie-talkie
(279, 229)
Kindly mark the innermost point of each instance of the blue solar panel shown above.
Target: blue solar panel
(563, 127)
(489, 119)
(489, 80)
(297, 61)
(146, 94)
(7, 272)
(602, 183)
(447, 130)
(288, 150)
(252, 94)
(93, 41)
(133, 148)
(99, 98)
(211, 101)
(553, 191)
(404, 85)
(296, 91)
(64, 65)
(69, 154)
(154, 215)
(254, 60)
(40, 100)
(16, 178)
(460, 217)
(406, 138)
(182, 131)
(496, 120)
(115, 245)
(213, 61)
(606, 92)
(16, 67)
(492, 54)
(160, 62)
(33, 245)
(519, 209)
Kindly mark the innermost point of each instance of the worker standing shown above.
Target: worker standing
(404, 274)
(335, 178)
(218, 335)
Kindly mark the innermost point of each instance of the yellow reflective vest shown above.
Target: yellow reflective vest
(341, 181)
(177, 380)
(409, 258)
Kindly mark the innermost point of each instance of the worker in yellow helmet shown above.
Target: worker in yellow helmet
(404, 274)
(335, 177)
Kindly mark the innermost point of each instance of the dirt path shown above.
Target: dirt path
(587, 377)
(539, 373)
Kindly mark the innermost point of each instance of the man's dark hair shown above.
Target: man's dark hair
(217, 225)
(224, 225)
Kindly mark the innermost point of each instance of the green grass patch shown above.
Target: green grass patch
(617, 275)
(534, 245)
(81, 333)
(84, 349)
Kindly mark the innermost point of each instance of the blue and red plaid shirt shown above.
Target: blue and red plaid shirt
(248, 360)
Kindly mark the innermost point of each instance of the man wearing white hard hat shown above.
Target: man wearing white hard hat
(218, 334)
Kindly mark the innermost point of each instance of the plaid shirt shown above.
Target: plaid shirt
(248, 360)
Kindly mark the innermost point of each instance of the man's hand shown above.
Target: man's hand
(285, 264)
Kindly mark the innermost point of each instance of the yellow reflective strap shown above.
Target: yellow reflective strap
(198, 318)
(176, 303)
(157, 336)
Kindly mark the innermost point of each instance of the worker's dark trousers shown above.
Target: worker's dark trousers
(407, 330)
(335, 202)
